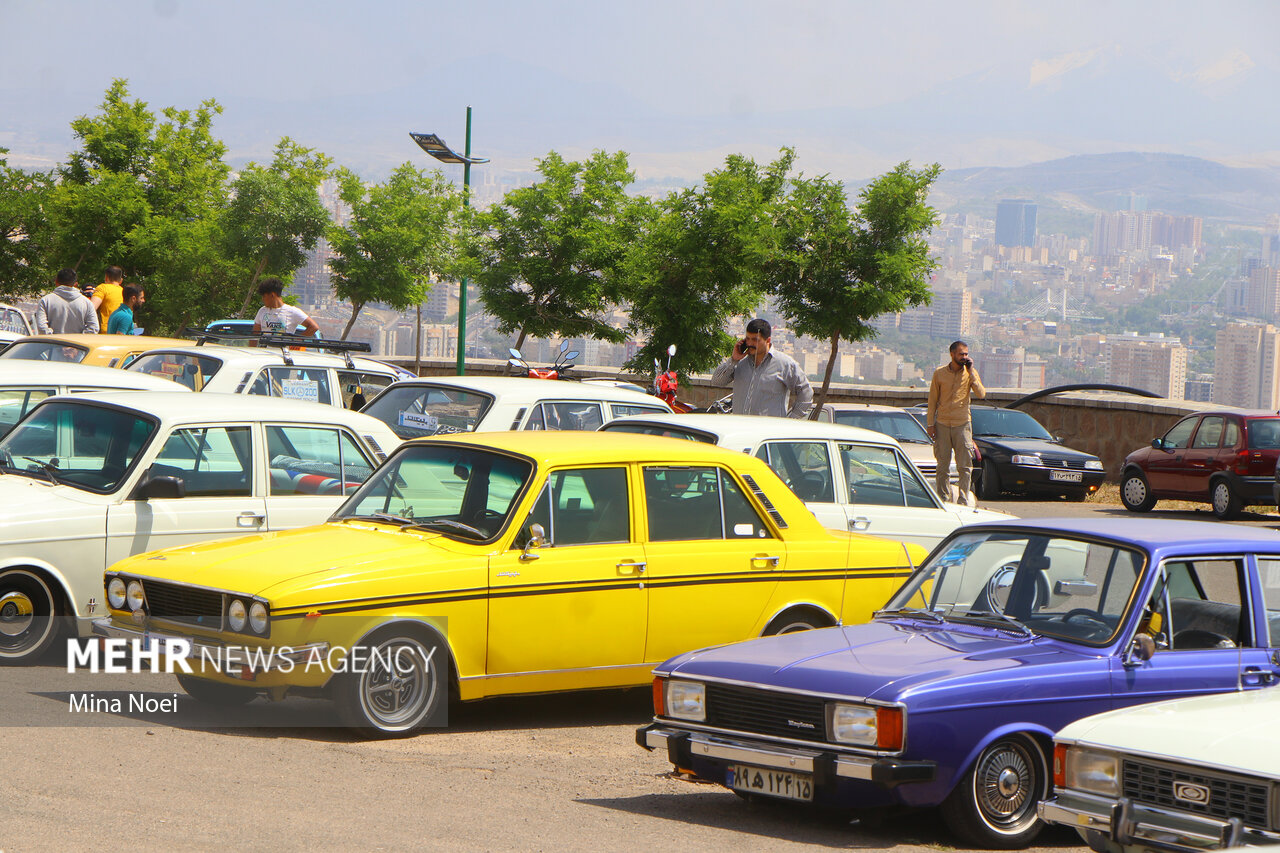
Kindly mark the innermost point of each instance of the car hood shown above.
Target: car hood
(1033, 445)
(1234, 731)
(32, 503)
(887, 659)
(318, 564)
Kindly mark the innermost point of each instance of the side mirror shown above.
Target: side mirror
(160, 487)
(537, 539)
(1157, 443)
(1140, 650)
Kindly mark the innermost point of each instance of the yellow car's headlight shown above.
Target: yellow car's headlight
(116, 594)
(134, 596)
(237, 615)
(258, 617)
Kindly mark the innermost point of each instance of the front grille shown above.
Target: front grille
(1153, 784)
(1074, 464)
(748, 709)
(184, 604)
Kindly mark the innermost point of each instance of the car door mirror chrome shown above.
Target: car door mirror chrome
(537, 539)
(1140, 650)
(1075, 587)
(160, 487)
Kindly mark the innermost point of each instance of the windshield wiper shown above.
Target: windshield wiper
(451, 525)
(48, 468)
(380, 516)
(911, 611)
(1022, 629)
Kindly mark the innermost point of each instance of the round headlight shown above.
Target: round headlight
(236, 615)
(258, 617)
(116, 593)
(134, 595)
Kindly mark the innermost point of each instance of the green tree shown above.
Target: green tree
(399, 234)
(276, 215)
(702, 258)
(549, 258)
(23, 228)
(839, 269)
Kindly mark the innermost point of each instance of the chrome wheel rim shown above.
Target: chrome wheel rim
(400, 684)
(1135, 491)
(1004, 786)
(16, 614)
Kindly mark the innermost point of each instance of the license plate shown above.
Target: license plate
(773, 783)
(1066, 476)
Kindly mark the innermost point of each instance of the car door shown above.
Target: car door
(310, 471)
(577, 601)
(223, 498)
(713, 562)
(1164, 469)
(1207, 638)
(885, 497)
(805, 467)
(1268, 620)
(1200, 459)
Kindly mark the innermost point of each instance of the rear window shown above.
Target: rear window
(1264, 433)
(193, 371)
(46, 351)
(659, 429)
(416, 411)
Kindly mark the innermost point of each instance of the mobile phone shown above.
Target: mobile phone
(742, 347)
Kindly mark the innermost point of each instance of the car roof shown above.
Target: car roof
(184, 407)
(21, 372)
(272, 355)
(735, 430)
(124, 343)
(522, 388)
(1155, 535)
(867, 407)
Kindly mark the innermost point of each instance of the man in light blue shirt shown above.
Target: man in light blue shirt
(121, 320)
(762, 381)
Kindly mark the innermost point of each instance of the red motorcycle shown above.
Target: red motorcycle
(666, 384)
(563, 364)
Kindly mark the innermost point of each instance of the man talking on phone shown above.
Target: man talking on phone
(949, 422)
(762, 378)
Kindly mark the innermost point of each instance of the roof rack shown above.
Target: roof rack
(282, 340)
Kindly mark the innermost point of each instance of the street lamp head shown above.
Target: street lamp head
(437, 148)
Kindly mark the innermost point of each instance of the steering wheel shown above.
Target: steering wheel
(1087, 615)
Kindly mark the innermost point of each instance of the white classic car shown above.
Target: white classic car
(1193, 774)
(439, 405)
(89, 479)
(25, 383)
(872, 487)
(893, 422)
(335, 380)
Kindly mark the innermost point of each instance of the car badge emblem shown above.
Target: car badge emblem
(92, 605)
(1188, 792)
(799, 725)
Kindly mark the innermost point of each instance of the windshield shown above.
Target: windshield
(90, 447)
(416, 411)
(193, 371)
(46, 351)
(1008, 422)
(1028, 583)
(897, 425)
(463, 492)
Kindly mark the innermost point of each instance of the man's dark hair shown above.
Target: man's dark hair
(129, 291)
(761, 328)
(955, 345)
(65, 276)
(114, 274)
(270, 285)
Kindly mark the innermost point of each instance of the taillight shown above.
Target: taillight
(1242, 462)
(659, 697)
(1059, 765)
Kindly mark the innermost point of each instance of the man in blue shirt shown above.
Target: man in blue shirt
(121, 322)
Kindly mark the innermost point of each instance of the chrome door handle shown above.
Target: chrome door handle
(771, 562)
(639, 566)
(250, 519)
(860, 522)
(1262, 676)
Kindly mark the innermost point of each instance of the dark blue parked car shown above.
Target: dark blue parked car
(951, 695)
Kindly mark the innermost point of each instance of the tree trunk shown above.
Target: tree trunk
(520, 339)
(821, 399)
(355, 312)
(253, 286)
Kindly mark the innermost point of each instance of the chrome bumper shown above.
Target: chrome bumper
(681, 746)
(1109, 824)
(234, 661)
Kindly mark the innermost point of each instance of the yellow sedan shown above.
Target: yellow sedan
(502, 563)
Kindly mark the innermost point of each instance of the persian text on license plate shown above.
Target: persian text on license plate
(1066, 476)
(773, 783)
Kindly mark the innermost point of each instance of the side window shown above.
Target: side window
(621, 410)
(918, 494)
(1179, 435)
(578, 415)
(536, 421)
(872, 475)
(359, 388)
(1205, 606)
(698, 503)
(585, 506)
(1209, 434)
(805, 466)
(314, 461)
(1232, 438)
(1269, 572)
(294, 383)
(16, 402)
(212, 461)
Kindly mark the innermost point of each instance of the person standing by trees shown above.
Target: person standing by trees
(762, 381)
(66, 310)
(275, 316)
(108, 296)
(121, 321)
(949, 421)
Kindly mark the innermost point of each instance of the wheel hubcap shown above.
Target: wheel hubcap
(400, 683)
(1005, 781)
(1135, 491)
(16, 614)
(1220, 498)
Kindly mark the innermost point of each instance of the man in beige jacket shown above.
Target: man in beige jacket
(948, 420)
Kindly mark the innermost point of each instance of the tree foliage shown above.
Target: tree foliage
(838, 269)
(702, 258)
(23, 228)
(399, 233)
(550, 256)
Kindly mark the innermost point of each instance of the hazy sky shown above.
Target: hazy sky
(666, 80)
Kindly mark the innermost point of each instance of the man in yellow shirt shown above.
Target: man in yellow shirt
(948, 420)
(108, 296)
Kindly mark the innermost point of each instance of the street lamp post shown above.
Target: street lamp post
(437, 148)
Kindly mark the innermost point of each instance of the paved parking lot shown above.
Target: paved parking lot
(534, 773)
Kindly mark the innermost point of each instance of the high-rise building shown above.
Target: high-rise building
(1262, 293)
(1156, 366)
(1010, 367)
(1016, 222)
(1246, 357)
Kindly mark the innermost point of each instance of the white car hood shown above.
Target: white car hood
(27, 501)
(1233, 731)
(973, 515)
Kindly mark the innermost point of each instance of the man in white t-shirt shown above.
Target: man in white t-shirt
(275, 316)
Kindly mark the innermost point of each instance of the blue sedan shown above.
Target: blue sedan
(950, 697)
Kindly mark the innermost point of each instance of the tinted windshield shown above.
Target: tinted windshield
(1052, 585)
(1264, 433)
(1008, 422)
(46, 351)
(193, 371)
(415, 411)
(659, 429)
(898, 425)
(90, 447)
(463, 492)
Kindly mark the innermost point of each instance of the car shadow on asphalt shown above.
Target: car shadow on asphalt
(711, 806)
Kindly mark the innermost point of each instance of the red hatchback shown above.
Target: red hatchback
(1225, 458)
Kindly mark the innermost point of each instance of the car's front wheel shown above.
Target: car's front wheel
(1226, 503)
(989, 483)
(994, 805)
(30, 615)
(1135, 494)
(400, 685)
